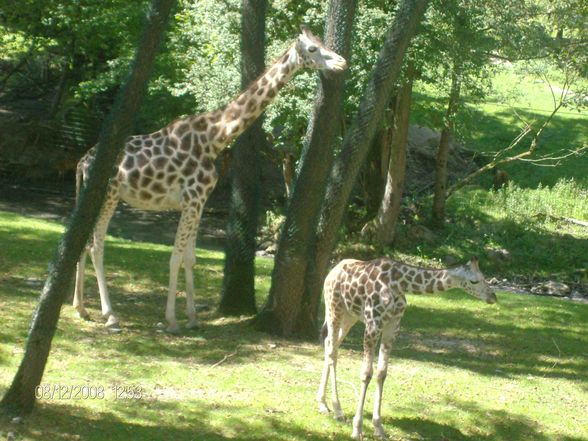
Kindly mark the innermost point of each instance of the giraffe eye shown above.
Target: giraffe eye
(474, 282)
(312, 49)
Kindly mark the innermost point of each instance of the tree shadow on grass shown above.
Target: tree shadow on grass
(159, 421)
(491, 425)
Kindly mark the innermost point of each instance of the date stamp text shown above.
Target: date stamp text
(56, 391)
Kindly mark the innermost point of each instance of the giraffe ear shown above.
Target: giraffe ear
(474, 262)
(306, 31)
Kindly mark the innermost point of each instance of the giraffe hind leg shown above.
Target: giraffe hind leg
(78, 300)
(97, 255)
(389, 335)
(369, 342)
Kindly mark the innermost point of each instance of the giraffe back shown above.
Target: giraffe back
(363, 289)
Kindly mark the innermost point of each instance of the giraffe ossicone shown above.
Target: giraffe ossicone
(173, 169)
(374, 293)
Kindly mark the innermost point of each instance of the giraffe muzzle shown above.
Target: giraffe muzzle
(491, 299)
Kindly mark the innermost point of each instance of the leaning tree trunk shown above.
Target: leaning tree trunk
(238, 293)
(440, 189)
(283, 304)
(354, 150)
(20, 397)
(382, 227)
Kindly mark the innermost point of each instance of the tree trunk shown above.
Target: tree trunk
(238, 293)
(20, 397)
(383, 226)
(354, 150)
(440, 189)
(376, 167)
(282, 307)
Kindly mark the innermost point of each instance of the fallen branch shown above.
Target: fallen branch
(526, 155)
(225, 358)
(570, 220)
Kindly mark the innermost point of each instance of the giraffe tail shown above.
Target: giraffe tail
(324, 332)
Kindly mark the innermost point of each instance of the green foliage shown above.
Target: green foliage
(529, 223)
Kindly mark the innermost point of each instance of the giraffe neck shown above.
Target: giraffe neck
(420, 281)
(240, 113)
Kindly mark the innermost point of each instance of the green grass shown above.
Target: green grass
(461, 370)
(492, 124)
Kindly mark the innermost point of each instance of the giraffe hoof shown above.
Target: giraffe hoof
(83, 314)
(340, 418)
(379, 431)
(174, 330)
(323, 408)
(193, 325)
(112, 322)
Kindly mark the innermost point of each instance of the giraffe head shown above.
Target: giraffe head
(469, 278)
(313, 53)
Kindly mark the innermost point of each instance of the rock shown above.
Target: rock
(558, 289)
(551, 288)
(498, 254)
(16, 420)
(421, 233)
(11, 436)
(272, 249)
(449, 260)
(578, 296)
(493, 281)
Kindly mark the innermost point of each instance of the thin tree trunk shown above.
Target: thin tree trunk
(20, 397)
(238, 293)
(383, 226)
(354, 150)
(376, 167)
(440, 189)
(282, 307)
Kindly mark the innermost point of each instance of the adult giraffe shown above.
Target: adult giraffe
(173, 169)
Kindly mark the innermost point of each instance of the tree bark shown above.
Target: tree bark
(281, 310)
(440, 189)
(354, 150)
(238, 293)
(20, 397)
(382, 227)
(376, 167)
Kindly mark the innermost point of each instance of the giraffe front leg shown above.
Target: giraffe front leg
(170, 308)
(388, 337)
(189, 261)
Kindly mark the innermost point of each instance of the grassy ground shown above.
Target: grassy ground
(493, 124)
(461, 370)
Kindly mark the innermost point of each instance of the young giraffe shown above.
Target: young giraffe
(173, 169)
(374, 292)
